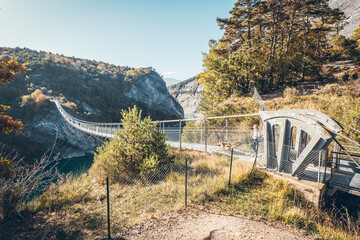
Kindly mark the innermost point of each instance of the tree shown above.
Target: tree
(135, 149)
(8, 69)
(268, 43)
(356, 37)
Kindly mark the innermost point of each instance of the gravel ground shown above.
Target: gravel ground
(204, 225)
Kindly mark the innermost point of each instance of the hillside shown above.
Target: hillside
(188, 94)
(91, 90)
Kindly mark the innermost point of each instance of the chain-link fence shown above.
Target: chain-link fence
(258, 98)
(171, 187)
(211, 135)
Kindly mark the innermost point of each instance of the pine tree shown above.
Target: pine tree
(268, 43)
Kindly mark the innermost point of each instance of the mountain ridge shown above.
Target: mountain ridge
(91, 90)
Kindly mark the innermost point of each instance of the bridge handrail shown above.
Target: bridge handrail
(161, 121)
(65, 114)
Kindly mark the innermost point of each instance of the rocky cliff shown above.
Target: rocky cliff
(351, 8)
(90, 90)
(188, 93)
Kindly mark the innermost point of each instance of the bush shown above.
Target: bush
(19, 183)
(135, 149)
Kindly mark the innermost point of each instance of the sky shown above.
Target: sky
(168, 35)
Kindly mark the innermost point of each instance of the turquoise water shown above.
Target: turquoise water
(77, 165)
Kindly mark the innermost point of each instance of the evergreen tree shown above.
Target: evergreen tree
(267, 43)
(137, 148)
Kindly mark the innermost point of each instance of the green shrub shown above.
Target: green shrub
(135, 149)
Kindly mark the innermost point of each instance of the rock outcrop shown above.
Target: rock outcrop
(151, 89)
(351, 8)
(189, 94)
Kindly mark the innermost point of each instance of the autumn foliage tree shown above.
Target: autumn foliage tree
(356, 37)
(8, 69)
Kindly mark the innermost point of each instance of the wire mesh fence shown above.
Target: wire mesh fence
(207, 135)
(258, 98)
(170, 187)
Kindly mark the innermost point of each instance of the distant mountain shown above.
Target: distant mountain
(351, 8)
(189, 94)
(171, 81)
(89, 89)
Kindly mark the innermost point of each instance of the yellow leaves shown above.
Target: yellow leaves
(8, 69)
(36, 97)
(7, 124)
(5, 168)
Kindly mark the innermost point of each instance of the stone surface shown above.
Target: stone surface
(151, 90)
(351, 8)
(188, 93)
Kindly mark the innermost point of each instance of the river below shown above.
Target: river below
(76, 165)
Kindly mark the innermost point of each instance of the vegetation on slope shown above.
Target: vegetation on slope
(342, 102)
(99, 84)
(270, 44)
(75, 207)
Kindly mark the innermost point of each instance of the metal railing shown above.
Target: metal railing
(206, 134)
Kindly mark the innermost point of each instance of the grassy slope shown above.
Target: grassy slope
(76, 207)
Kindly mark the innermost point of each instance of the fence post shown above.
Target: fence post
(205, 136)
(231, 160)
(256, 156)
(108, 206)
(186, 178)
(226, 129)
(201, 131)
(179, 135)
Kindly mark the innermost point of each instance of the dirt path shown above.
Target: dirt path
(205, 226)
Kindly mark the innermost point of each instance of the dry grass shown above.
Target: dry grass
(76, 207)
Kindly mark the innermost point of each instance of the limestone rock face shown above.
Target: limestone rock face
(351, 8)
(189, 94)
(51, 130)
(151, 90)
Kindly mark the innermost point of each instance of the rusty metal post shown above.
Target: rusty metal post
(180, 135)
(201, 131)
(226, 130)
(205, 136)
(108, 206)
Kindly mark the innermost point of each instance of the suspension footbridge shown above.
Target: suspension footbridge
(298, 144)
